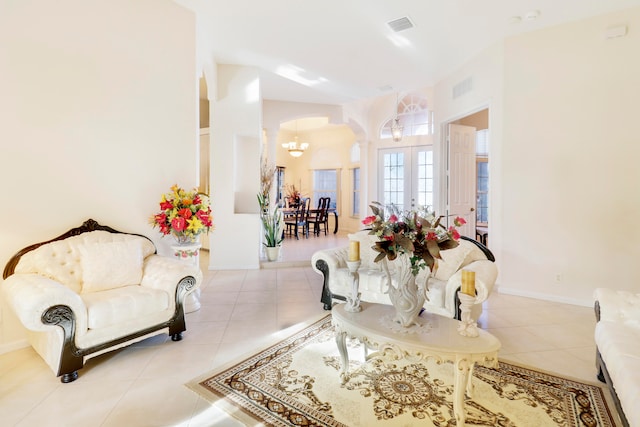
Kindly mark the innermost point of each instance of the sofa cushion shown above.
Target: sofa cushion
(108, 265)
(620, 349)
(451, 261)
(123, 304)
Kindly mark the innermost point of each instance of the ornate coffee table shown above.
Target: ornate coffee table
(436, 338)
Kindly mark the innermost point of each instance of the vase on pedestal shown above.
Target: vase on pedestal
(189, 252)
(407, 296)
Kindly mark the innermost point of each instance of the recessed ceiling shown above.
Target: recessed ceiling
(337, 51)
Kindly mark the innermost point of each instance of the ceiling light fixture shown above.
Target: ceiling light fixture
(396, 127)
(292, 146)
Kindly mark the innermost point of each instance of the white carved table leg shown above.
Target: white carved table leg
(461, 383)
(341, 342)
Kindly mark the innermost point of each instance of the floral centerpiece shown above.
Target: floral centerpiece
(417, 233)
(183, 214)
(413, 241)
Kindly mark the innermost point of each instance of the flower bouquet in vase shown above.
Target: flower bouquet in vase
(185, 215)
(412, 241)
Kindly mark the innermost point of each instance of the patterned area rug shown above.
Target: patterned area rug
(296, 382)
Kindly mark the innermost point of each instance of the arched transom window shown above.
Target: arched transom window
(413, 115)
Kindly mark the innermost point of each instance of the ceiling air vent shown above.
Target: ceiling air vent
(400, 24)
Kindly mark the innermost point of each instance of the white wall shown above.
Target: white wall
(97, 118)
(564, 156)
(236, 117)
(570, 160)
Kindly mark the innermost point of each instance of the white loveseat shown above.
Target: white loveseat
(93, 290)
(617, 336)
(443, 296)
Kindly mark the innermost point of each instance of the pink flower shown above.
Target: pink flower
(393, 219)
(454, 233)
(369, 220)
(459, 222)
(178, 223)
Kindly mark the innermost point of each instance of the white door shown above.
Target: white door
(462, 177)
(405, 177)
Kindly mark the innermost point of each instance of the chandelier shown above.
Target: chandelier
(294, 147)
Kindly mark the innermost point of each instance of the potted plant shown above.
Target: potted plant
(273, 226)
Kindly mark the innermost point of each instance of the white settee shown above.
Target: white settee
(93, 290)
(617, 336)
(443, 296)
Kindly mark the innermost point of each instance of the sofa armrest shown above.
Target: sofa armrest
(165, 273)
(486, 275)
(31, 295)
(335, 258)
(618, 305)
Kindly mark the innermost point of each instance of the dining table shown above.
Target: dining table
(292, 211)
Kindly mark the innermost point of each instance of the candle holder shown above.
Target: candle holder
(467, 326)
(353, 300)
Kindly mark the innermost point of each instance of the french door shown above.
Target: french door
(406, 178)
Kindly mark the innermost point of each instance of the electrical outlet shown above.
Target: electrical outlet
(558, 277)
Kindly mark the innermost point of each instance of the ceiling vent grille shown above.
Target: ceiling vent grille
(400, 24)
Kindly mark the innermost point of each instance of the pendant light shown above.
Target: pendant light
(295, 149)
(396, 127)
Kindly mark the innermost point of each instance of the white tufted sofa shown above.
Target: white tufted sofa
(442, 293)
(617, 337)
(93, 290)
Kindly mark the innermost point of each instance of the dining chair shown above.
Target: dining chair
(301, 219)
(321, 217)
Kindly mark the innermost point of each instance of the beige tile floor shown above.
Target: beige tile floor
(143, 385)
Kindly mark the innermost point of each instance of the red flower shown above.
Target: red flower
(393, 219)
(454, 233)
(369, 220)
(432, 236)
(160, 218)
(185, 213)
(204, 217)
(164, 228)
(178, 223)
(197, 200)
(390, 238)
(459, 221)
(166, 205)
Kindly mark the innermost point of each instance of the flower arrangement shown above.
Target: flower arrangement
(418, 233)
(183, 214)
(293, 194)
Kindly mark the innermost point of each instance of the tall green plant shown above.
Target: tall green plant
(273, 225)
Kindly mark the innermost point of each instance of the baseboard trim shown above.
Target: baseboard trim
(542, 296)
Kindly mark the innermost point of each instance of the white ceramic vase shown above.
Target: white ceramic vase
(272, 252)
(407, 296)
